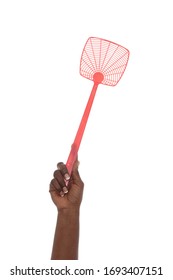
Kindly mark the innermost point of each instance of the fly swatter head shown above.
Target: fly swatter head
(103, 62)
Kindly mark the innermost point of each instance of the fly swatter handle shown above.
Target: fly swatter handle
(76, 144)
(71, 158)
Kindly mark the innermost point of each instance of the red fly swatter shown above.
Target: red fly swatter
(103, 62)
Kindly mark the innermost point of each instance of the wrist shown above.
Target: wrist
(74, 211)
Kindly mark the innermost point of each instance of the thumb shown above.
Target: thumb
(75, 165)
(75, 173)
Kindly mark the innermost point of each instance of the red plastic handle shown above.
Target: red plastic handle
(76, 144)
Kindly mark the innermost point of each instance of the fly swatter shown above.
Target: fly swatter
(103, 62)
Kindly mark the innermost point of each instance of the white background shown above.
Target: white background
(126, 156)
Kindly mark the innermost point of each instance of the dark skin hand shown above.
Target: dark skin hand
(66, 194)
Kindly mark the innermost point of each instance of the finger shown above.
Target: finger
(59, 177)
(55, 186)
(63, 169)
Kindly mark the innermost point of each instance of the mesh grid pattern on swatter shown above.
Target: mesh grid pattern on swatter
(106, 57)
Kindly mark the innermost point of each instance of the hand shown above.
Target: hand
(66, 196)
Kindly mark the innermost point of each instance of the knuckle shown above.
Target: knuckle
(62, 168)
(60, 165)
(52, 182)
(51, 186)
(56, 173)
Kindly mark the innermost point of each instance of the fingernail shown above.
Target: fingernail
(65, 190)
(66, 177)
(61, 194)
